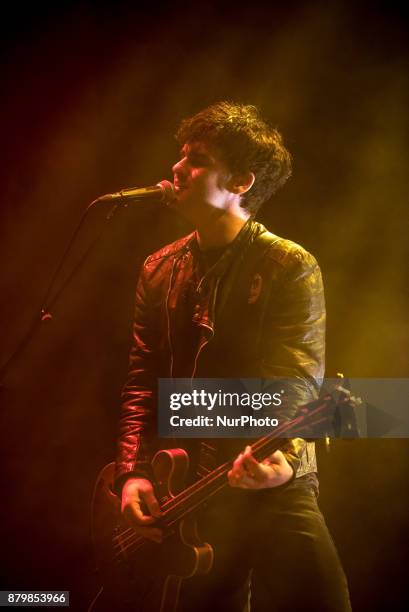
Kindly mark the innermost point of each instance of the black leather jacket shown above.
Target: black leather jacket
(261, 313)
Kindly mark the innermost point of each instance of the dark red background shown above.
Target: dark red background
(91, 96)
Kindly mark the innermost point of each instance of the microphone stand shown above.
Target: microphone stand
(48, 302)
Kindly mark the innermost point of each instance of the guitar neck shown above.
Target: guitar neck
(194, 496)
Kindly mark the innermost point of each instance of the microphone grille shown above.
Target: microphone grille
(168, 191)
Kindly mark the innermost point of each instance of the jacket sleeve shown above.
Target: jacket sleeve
(137, 425)
(294, 346)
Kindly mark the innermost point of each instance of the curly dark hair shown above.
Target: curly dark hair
(246, 144)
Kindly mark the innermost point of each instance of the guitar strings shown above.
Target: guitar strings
(124, 544)
(172, 506)
(136, 542)
(194, 488)
(256, 447)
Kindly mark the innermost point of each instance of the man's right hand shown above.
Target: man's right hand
(135, 492)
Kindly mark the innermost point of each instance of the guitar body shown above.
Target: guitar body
(138, 571)
(147, 576)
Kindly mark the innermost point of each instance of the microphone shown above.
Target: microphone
(163, 191)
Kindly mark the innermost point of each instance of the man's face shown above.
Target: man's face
(201, 181)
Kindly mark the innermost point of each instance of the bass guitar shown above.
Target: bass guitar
(149, 575)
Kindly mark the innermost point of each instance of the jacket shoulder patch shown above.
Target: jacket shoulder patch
(255, 288)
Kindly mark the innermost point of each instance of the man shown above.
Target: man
(233, 300)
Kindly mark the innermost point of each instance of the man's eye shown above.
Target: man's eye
(197, 160)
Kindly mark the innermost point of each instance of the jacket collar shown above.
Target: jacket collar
(246, 236)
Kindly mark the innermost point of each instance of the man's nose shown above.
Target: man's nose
(179, 167)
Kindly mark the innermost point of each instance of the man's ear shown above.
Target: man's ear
(241, 183)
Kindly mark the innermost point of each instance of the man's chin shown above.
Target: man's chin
(182, 199)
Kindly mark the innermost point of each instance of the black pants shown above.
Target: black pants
(273, 552)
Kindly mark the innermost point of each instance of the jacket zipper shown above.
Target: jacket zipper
(202, 344)
(201, 347)
(168, 317)
(211, 329)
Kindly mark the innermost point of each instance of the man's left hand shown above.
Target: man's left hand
(248, 473)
